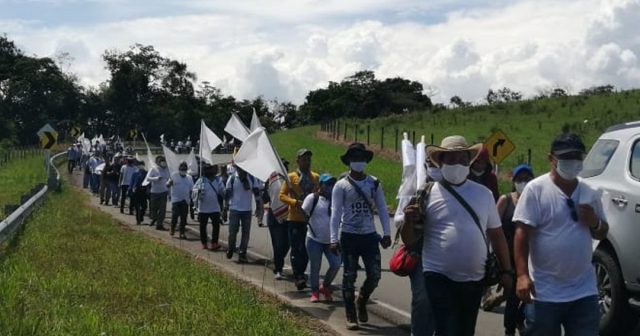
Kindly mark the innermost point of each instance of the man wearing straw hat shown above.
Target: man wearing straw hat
(460, 220)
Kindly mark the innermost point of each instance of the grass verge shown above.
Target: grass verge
(18, 177)
(74, 271)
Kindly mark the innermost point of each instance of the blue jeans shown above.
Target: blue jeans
(315, 251)
(355, 246)
(279, 233)
(578, 318)
(454, 304)
(237, 219)
(95, 183)
(86, 180)
(422, 322)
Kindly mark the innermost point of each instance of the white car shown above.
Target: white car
(613, 165)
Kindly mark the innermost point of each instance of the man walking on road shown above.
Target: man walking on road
(354, 232)
(139, 192)
(303, 182)
(460, 218)
(158, 176)
(181, 186)
(556, 219)
(126, 172)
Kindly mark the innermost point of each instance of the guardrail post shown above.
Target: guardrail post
(337, 135)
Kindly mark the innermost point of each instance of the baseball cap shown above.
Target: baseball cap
(522, 168)
(303, 151)
(325, 178)
(567, 143)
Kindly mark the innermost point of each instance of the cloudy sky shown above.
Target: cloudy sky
(284, 48)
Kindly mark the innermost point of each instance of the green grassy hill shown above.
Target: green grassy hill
(530, 125)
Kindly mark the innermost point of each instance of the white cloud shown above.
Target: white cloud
(285, 49)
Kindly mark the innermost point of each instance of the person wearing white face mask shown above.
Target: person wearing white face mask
(556, 217)
(460, 221)
(158, 177)
(181, 186)
(353, 230)
(514, 314)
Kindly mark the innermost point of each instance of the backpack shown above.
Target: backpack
(229, 191)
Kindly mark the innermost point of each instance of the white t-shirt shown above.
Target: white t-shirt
(158, 178)
(319, 220)
(126, 172)
(206, 196)
(240, 197)
(181, 188)
(560, 249)
(453, 244)
(352, 212)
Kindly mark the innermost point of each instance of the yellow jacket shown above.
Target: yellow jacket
(292, 193)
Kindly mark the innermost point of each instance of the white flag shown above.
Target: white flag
(208, 142)
(258, 157)
(255, 121)
(101, 140)
(421, 160)
(236, 127)
(150, 161)
(172, 160)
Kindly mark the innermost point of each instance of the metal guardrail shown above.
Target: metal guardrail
(15, 220)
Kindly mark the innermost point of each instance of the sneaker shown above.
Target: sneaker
(229, 253)
(183, 236)
(352, 321)
(301, 284)
(204, 246)
(242, 258)
(278, 276)
(328, 294)
(214, 246)
(361, 305)
(315, 296)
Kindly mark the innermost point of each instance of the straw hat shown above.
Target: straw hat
(454, 143)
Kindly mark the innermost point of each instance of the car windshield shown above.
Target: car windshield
(599, 157)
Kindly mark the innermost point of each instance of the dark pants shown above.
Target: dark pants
(454, 304)
(179, 210)
(578, 318)
(279, 233)
(203, 219)
(123, 196)
(158, 208)
(236, 220)
(71, 163)
(139, 200)
(86, 180)
(299, 257)
(354, 247)
(95, 183)
(513, 312)
(422, 322)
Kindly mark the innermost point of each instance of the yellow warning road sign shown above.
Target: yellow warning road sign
(48, 136)
(499, 146)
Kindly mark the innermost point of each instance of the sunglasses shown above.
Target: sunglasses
(572, 207)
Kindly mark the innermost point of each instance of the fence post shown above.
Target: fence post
(355, 134)
(344, 138)
(432, 138)
(529, 156)
(382, 138)
(414, 137)
(368, 135)
(337, 134)
(396, 140)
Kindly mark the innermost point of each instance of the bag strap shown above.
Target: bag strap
(361, 193)
(469, 210)
(423, 193)
(316, 197)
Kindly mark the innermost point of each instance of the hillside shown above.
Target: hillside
(530, 125)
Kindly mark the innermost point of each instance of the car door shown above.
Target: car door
(625, 205)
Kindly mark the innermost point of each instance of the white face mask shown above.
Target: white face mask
(569, 169)
(520, 186)
(455, 174)
(435, 173)
(358, 166)
(163, 164)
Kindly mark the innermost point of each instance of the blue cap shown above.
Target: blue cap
(521, 168)
(325, 178)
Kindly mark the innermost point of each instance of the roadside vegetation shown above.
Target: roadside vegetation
(19, 176)
(74, 271)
